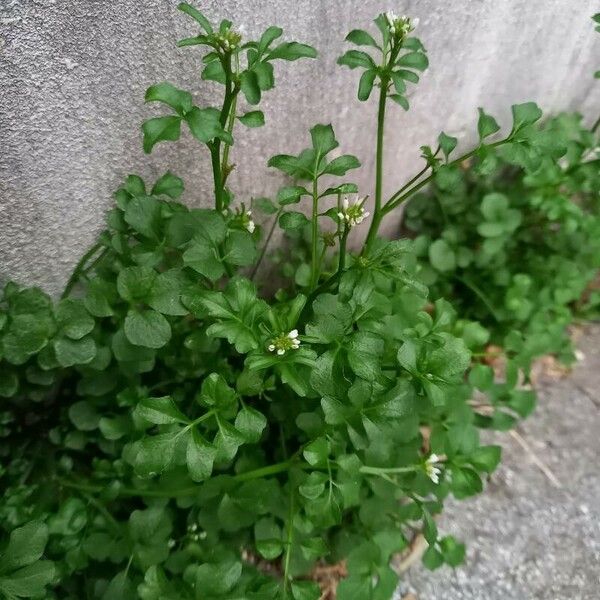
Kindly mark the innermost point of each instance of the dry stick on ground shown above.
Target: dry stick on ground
(535, 458)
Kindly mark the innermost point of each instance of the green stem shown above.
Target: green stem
(289, 541)
(265, 245)
(215, 145)
(225, 169)
(488, 303)
(314, 278)
(596, 125)
(385, 470)
(80, 268)
(186, 491)
(377, 213)
(404, 194)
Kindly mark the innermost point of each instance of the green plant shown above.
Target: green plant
(170, 430)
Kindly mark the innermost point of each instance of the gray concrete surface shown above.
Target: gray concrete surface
(73, 74)
(528, 539)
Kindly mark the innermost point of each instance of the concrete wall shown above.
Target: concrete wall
(73, 74)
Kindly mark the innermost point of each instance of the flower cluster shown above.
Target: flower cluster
(431, 470)
(353, 214)
(228, 40)
(284, 342)
(400, 27)
(243, 219)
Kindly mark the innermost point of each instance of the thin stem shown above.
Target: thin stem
(596, 125)
(80, 268)
(289, 541)
(377, 214)
(314, 278)
(215, 146)
(174, 493)
(479, 293)
(225, 169)
(403, 193)
(267, 241)
(385, 470)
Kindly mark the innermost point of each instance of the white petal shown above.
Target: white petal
(248, 212)
(271, 348)
(293, 334)
(281, 351)
(366, 214)
(345, 202)
(433, 458)
(341, 215)
(250, 226)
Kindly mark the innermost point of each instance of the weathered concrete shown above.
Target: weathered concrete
(528, 539)
(73, 74)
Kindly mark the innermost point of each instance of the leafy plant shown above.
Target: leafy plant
(172, 430)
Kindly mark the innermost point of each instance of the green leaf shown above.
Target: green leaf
(215, 393)
(365, 85)
(240, 249)
(147, 328)
(205, 126)
(28, 582)
(168, 185)
(179, 100)
(73, 318)
(84, 415)
(486, 458)
(401, 100)
(27, 335)
(452, 551)
(306, 590)
(200, 456)
(293, 220)
(442, 256)
(203, 257)
(267, 536)
(413, 60)
(134, 284)
(356, 58)
(74, 352)
(160, 129)
(196, 15)
(316, 452)
(323, 139)
(292, 51)
(447, 144)
(486, 125)
(250, 423)
(361, 38)
(25, 545)
(250, 87)
(9, 383)
(143, 213)
(341, 165)
(482, 377)
(291, 194)
(156, 454)
(217, 579)
(255, 118)
(270, 35)
(237, 312)
(165, 294)
(160, 411)
(525, 114)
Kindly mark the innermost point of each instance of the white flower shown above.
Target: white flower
(353, 214)
(431, 470)
(400, 26)
(249, 223)
(284, 342)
